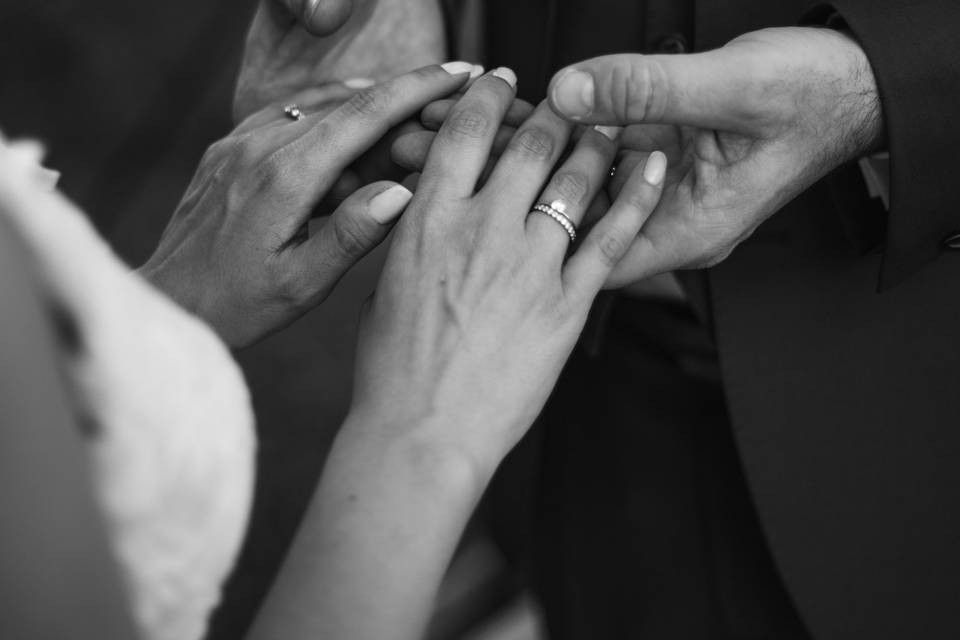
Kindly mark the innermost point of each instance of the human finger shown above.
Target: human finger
(358, 226)
(309, 101)
(462, 146)
(528, 161)
(410, 151)
(319, 17)
(703, 90)
(436, 113)
(609, 240)
(305, 158)
(570, 191)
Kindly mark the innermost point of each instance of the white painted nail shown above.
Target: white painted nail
(611, 132)
(359, 83)
(507, 75)
(656, 168)
(387, 205)
(458, 67)
(476, 71)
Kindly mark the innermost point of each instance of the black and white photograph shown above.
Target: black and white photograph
(480, 320)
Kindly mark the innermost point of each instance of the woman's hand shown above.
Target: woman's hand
(478, 307)
(297, 44)
(236, 251)
(480, 303)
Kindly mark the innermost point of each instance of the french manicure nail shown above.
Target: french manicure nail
(359, 83)
(573, 94)
(611, 132)
(458, 67)
(656, 168)
(387, 205)
(507, 75)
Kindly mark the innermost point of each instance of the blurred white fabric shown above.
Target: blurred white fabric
(172, 428)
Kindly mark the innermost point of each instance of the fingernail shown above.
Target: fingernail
(359, 83)
(507, 75)
(573, 94)
(458, 67)
(476, 71)
(611, 132)
(656, 168)
(387, 205)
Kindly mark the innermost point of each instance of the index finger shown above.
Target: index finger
(322, 147)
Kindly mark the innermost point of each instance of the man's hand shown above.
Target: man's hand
(747, 128)
(299, 44)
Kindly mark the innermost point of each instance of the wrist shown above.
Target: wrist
(865, 129)
(425, 448)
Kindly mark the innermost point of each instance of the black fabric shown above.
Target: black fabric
(842, 400)
(645, 526)
(915, 55)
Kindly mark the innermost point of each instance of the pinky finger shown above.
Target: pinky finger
(612, 236)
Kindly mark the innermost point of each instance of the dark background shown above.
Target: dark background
(127, 96)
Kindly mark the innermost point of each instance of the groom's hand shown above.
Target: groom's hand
(295, 45)
(746, 127)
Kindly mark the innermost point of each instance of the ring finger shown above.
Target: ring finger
(571, 190)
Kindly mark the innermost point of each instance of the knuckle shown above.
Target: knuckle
(425, 74)
(350, 236)
(468, 123)
(637, 90)
(369, 102)
(247, 150)
(613, 245)
(643, 198)
(573, 186)
(533, 142)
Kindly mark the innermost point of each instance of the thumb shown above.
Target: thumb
(355, 229)
(319, 17)
(700, 90)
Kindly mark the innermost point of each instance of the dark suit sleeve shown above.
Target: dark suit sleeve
(914, 49)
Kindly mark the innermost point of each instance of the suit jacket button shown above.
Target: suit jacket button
(674, 43)
(952, 242)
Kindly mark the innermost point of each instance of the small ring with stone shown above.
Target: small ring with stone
(556, 211)
(294, 112)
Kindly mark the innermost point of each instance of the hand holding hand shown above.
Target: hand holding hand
(298, 44)
(747, 128)
(479, 304)
(236, 251)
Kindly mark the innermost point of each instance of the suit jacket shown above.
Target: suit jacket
(837, 323)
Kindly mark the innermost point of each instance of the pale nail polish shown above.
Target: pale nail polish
(476, 72)
(458, 67)
(573, 94)
(656, 168)
(387, 205)
(611, 132)
(507, 75)
(359, 83)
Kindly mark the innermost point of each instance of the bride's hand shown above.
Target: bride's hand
(480, 303)
(236, 251)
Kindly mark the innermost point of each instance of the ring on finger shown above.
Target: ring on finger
(294, 112)
(557, 211)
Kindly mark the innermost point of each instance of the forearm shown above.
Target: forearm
(375, 540)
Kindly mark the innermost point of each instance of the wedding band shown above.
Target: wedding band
(294, 112)
(556, 210)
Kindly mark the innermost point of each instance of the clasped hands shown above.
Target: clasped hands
(712, 145)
